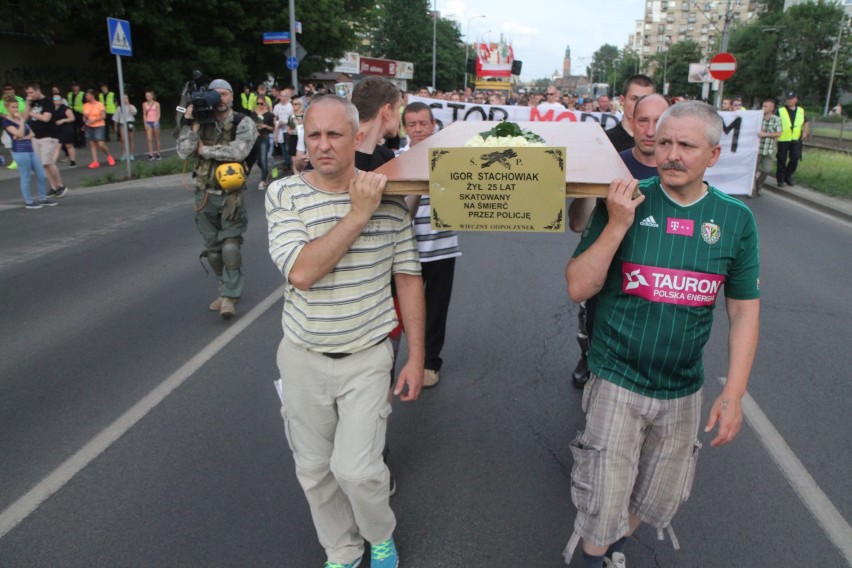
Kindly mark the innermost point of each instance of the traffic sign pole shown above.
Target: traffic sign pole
(124, 115)
(118, 36)
(294, 74)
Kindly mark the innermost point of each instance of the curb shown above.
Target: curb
(835, 206)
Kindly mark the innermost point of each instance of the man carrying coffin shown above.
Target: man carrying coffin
(658, 262)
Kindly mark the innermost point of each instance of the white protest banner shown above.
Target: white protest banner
(733, 173)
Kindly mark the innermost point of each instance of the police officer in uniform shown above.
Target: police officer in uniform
(219, 211)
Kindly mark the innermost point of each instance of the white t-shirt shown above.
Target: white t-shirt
(282, 114)
(542, 108)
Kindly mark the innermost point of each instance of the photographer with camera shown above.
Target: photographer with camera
(221, 140)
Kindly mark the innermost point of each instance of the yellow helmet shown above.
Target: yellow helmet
(231, 176)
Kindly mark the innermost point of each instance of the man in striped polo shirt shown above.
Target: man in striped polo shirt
(658, 261)
(338, 241)
(438, 251)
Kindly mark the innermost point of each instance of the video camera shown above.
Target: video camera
(203, 99)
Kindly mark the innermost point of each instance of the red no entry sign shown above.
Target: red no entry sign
(723, 66)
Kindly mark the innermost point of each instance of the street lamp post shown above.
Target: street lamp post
(467, 47)
(843, 24)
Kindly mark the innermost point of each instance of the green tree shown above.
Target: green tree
(807, 41)
(450, 63)
(756, 46)
(220, 38)
(672, 67)
(603, 64)
(404, 33)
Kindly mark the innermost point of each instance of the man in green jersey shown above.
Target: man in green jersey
(658, 258)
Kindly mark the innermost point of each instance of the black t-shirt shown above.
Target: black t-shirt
(620, 138)
(43, 129)
(369, 162)
(266, 118)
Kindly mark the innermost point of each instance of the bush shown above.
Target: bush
(141, 170)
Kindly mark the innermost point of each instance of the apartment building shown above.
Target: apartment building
(671, 21)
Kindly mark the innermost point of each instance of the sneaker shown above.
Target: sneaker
(274, 172)
(33, 205)
(123, 158)
(430, 378)
(261, 186)
(94, 165)
(150, 157)
(618, 560)
(72, 164)
(216, 305)
(132, 157)
(110, 160)
(580, 376)
(47, 203)
(60, 193)
(384, 555)
(157, 157)
(228, 310)
(12, 166)
(339, 565)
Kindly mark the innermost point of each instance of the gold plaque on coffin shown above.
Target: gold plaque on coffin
(591, 165)
(497, 189)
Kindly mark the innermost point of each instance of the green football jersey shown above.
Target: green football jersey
(655, 309)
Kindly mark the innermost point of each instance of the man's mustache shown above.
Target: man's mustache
(677, 166)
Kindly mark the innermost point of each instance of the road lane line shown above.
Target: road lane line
(29, 502)
(805, 486)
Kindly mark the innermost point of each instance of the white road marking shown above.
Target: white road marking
(805, 486)
(29, 502)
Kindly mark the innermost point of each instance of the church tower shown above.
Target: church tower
(566, 63)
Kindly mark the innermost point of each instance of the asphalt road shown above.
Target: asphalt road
(139, 429)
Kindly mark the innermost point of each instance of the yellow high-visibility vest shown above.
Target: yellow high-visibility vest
(76, 102)
(109, 103)
(790, 131)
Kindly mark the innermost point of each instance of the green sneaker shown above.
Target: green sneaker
(384, 555)
(12, 166)
(339, 565)
(274, 172)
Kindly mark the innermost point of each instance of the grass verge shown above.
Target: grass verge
(825, 171)
(141, 170)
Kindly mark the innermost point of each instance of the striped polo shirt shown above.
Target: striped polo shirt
(432, 244)
(350, 308)
(656, 305)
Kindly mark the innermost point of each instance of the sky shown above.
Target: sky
(540, 31)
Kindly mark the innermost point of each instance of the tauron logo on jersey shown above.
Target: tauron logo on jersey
(634, 280)
(711, 233)
(649, 222)
(682, 287)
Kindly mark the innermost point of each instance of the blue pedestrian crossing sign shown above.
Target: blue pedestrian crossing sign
(119, 37)
(292, 63)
